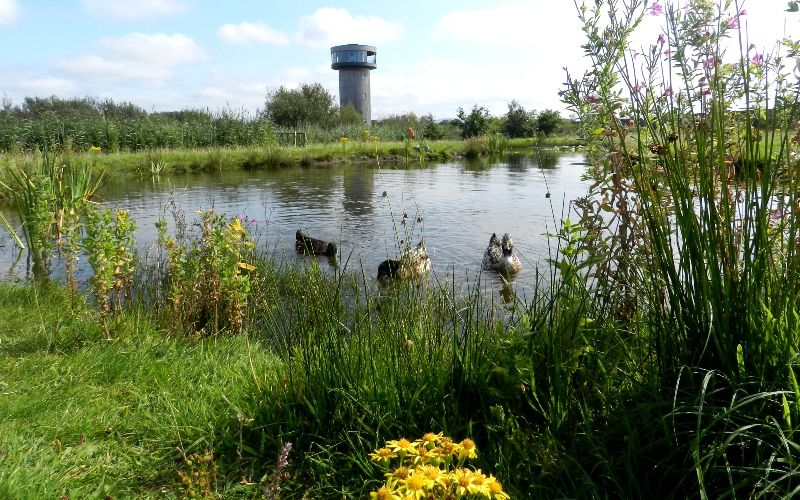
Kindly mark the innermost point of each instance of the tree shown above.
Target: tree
(475, 123)
(308, 105)
(518, 122)
(548, 121)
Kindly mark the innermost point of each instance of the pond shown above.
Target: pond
(455, 206)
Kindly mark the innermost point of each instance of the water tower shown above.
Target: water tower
(354, 63)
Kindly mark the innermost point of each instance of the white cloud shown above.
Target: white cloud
(329, 26)
(9, 12)
(135, 57)
(133, 9)
(509, 25)
(248, 33)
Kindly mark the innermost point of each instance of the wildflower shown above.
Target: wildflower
(344, 140)
(638, 87)
(588, 74)
(95, 149)
(384, 493)
(732, 23)
(743, 12)
(431, 474)
(495, 488)
(415, 486)
(656, 9)
(751, 47)
(463, 480)
(399, 473)
(661, 39)
(479, 485)
(401, 446)
(592, 99)
(430, 439)
(467, 449)
(668, 92)
(757, 59)
(709, 62)
(382, 455)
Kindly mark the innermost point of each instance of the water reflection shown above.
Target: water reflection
(459, 205)
(359, 186)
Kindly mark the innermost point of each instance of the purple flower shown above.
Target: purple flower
(592, 99)
(751, 47)
(709, 62)
(775, 215)
(588, 74)
(668, 92)
(638, 87)
(656, 9)
(732, 23)
(757, 59)
(742, 12)
(662, 39)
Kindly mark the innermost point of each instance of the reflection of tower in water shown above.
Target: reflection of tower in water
(358, 186)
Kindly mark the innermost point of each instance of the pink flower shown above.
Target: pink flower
(592, 99)
(588, 74)
(668, 92)
(662, 39)
(709, 62)
(732, 23)
(656, 9)
(742, 12)
(757, 59)
(638, 87)
(751, 47)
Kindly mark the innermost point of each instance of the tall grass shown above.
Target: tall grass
(694, 212)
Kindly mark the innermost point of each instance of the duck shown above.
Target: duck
(413, 262)
(499, 255)
(306, 244)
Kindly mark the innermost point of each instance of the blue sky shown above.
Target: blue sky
(433, 56)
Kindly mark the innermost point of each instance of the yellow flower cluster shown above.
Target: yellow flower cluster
(432, 467)
(95, 149)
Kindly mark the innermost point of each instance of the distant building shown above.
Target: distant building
(354, 63)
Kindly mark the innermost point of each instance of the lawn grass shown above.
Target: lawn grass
(89, 417)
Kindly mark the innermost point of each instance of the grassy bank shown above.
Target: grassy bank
(168, 161)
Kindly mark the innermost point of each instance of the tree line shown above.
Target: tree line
(80, 123)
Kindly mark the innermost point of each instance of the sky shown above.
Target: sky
(433, 56)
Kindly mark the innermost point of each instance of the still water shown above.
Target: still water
(455, 206)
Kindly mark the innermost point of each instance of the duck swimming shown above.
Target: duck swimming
(500, 256)
(306, 244)
(411, 263)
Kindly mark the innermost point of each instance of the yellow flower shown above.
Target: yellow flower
(344, 140)
(399, 473)
(430, 439)
(433, 475)
(384, 493)
(479, 485)
(463, 480)
(402, 446)
(95, 149)
(382, 455)
(415, 486)
(496, 489)
(468, 449)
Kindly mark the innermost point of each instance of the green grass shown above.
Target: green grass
(89, 417)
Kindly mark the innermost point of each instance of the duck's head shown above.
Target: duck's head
(507, 245)
(330, 250)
